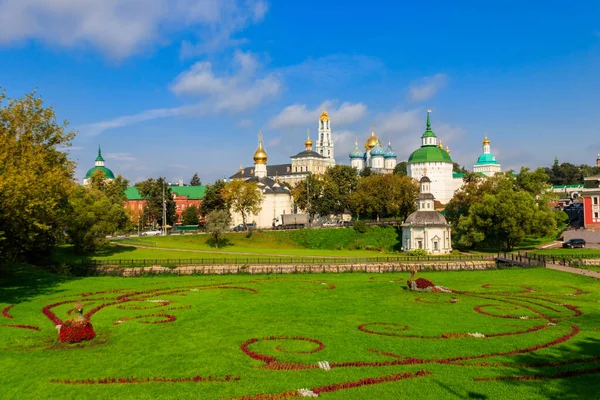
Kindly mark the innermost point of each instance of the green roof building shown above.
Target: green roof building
(433, 161)
(98, 166)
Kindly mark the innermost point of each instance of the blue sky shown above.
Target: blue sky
(173, 87)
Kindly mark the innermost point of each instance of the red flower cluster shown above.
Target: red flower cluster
(157, 305)
(421, 283)
(6, 310)
(76, 331)
(132, 379)
(33, 328)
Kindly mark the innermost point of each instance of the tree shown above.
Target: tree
(195, 181)
(401, 168)
(244, 198)
(190, 216)
(306, 194)
(213, 198)
(93, 215)
(366, 171)
(385, 195)
(36, 178)
(217, 224)
(458, 169)
(339, 183)
(151, 190)
(533, 182)
(505, 218)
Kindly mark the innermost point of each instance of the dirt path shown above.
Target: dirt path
(572, 270)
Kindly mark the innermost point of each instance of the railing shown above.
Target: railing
(282, 260)
(564, 259)
(525, 260)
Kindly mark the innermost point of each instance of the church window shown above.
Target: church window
(595, 215)
(435, 246)
(419, 244)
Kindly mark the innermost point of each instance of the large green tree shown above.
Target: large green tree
(244, 198)
(93, 215)
(339, 182)
(213, 198)
(190, 216)
(505, 219)
(385, 195)
(217, 224)
(307, 193)
(36, 178)
(401, 168)
(195, 181)
(152, 191)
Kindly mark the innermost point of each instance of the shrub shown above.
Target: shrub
(249, 233)
(76, 331)
(360, 226)
(417, 253)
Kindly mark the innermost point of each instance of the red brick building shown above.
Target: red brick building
(591, 203)
(184, 197)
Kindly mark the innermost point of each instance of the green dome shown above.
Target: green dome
(108, 174)
(429, 154)
(486, 159)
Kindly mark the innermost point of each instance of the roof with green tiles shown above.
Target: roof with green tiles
(192, 192)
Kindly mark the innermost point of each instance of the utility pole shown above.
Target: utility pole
(308, 199)
(164, 218)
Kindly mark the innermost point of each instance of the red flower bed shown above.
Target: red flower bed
(166, 318)
(76, 331)
(388, 326)
(33, 328)
(139, 307)
(421, 283)
(132, 379)
(5, 312)
(338, 386)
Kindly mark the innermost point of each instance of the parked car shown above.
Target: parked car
(242, 228)
(574, 243)
(153, 232)
(330, 224)
(346, 223)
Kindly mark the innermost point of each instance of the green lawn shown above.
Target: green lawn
(567, 252)
(212, 322)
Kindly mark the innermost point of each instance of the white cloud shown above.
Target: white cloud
(427, 87)
(120, 28)
(236, 92)
(298, 115)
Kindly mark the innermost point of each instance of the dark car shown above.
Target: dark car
(242, 228)
(574, 243)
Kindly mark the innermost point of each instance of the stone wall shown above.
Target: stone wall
(295, 268)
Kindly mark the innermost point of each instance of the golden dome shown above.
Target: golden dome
(447, 150)
(441, 145)
(486, 141)
(372, 140)
(308, 143)
(260, 156)
(324, 116)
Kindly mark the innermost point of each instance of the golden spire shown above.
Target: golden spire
(441, 145)
(324, 116)
(308, 143)
(260, 156)
(447, 150)
(277, 176)
(424, 171)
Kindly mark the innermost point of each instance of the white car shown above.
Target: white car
(154, 232)
(330, 224)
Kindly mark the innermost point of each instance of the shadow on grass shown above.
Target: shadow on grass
(67, 255)
(581, 386)
(21, 282)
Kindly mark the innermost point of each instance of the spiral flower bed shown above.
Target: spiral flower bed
(5, 312)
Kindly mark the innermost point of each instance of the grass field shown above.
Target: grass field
(567, 252)
(536, 323)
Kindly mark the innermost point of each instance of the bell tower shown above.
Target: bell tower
(324, 141)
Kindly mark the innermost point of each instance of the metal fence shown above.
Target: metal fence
(283, 260)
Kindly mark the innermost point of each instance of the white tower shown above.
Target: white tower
(357, 157)
(260, 159)
(486, 163)
(324, 141)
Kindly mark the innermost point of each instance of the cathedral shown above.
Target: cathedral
(302, 164)
(374, 156)
(486, 163)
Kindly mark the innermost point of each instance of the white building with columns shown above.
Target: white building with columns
(426, 228)
(324, 140)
